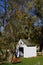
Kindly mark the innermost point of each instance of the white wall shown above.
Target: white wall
(21, 45)
(30, 52)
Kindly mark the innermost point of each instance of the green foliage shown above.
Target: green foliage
(39, 7)
(20, 24)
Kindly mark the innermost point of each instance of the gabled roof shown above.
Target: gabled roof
(27, 42)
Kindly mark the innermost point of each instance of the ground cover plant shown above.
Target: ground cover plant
(29, 61)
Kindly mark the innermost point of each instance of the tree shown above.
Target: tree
(39, 8)
(19, 22)
(39, 12)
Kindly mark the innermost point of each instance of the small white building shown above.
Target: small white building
(25, 49)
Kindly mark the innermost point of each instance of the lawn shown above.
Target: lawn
(29, 61)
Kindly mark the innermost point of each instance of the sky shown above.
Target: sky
(31, 12)
(1, 7)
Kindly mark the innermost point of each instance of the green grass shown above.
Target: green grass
(29, 61)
